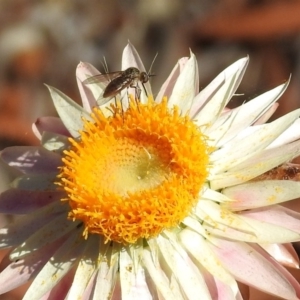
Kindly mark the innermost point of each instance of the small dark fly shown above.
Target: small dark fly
(118, 81)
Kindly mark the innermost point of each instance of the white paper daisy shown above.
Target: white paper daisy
(153, 199)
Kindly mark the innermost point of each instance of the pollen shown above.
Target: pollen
(136, 173)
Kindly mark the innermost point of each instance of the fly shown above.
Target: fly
(118, 81)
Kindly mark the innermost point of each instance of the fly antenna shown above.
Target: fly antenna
(150, 69)
(104, 65)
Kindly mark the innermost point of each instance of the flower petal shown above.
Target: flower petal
(31, 160)
(52, 124)
(131, 58)
(277, 215)
(250, 267)
(57, 267)
(89, 93)
(285, 254)
(226, 158)
(232, 77)
(261, 193)
(21, 271)
(69, 111)
(234, 121)
(200, 250)
(167, 87)
(183, 93)
(188, 276)
(16, 201)
(107, 274)
(55, 142)
(255, 166)
(133, 281)
(50, 232)
(23, 227)
(85, 269)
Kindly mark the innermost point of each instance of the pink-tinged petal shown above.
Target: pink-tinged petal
(131, 58)
(250, 267)
(32, 160)
(15, 201)
(233, 122)
(51, 124)
(267, 115)
(88, 92)
(261, 193)
(277, 215)
(184, 91)
(167, 87)
(21, 271)
(259, 232)
(292, 280)
(23, 227)
(86, 268)
(57, 267)
(133, 279)
(285, 254)
(255, 166)
(232, 76)
(88, 293)
(60, 291)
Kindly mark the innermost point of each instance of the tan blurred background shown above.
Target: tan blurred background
(42, 41)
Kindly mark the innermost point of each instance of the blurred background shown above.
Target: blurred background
(42, 41)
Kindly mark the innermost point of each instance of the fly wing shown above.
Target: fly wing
(103, 78)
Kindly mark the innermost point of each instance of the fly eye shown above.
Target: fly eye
(144, 77)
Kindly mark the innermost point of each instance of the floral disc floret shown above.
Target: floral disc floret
(135, 173)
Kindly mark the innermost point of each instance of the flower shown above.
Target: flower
(153, 199)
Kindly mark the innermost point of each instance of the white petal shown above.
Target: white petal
(239, 150)
(184, 91)
(24, 226)
(86, 267)
(158, 276)
(57, 267)
(107, 274)
(263, 232)
(188, 276)
(232, 77)
(131, 58)
(48, 233)
(234, 121)
(288, 136)
(167, 87)
(200, 250)
(54, 142)
(255, 166)
(69, 111)
(261, 193)
(89, 93)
